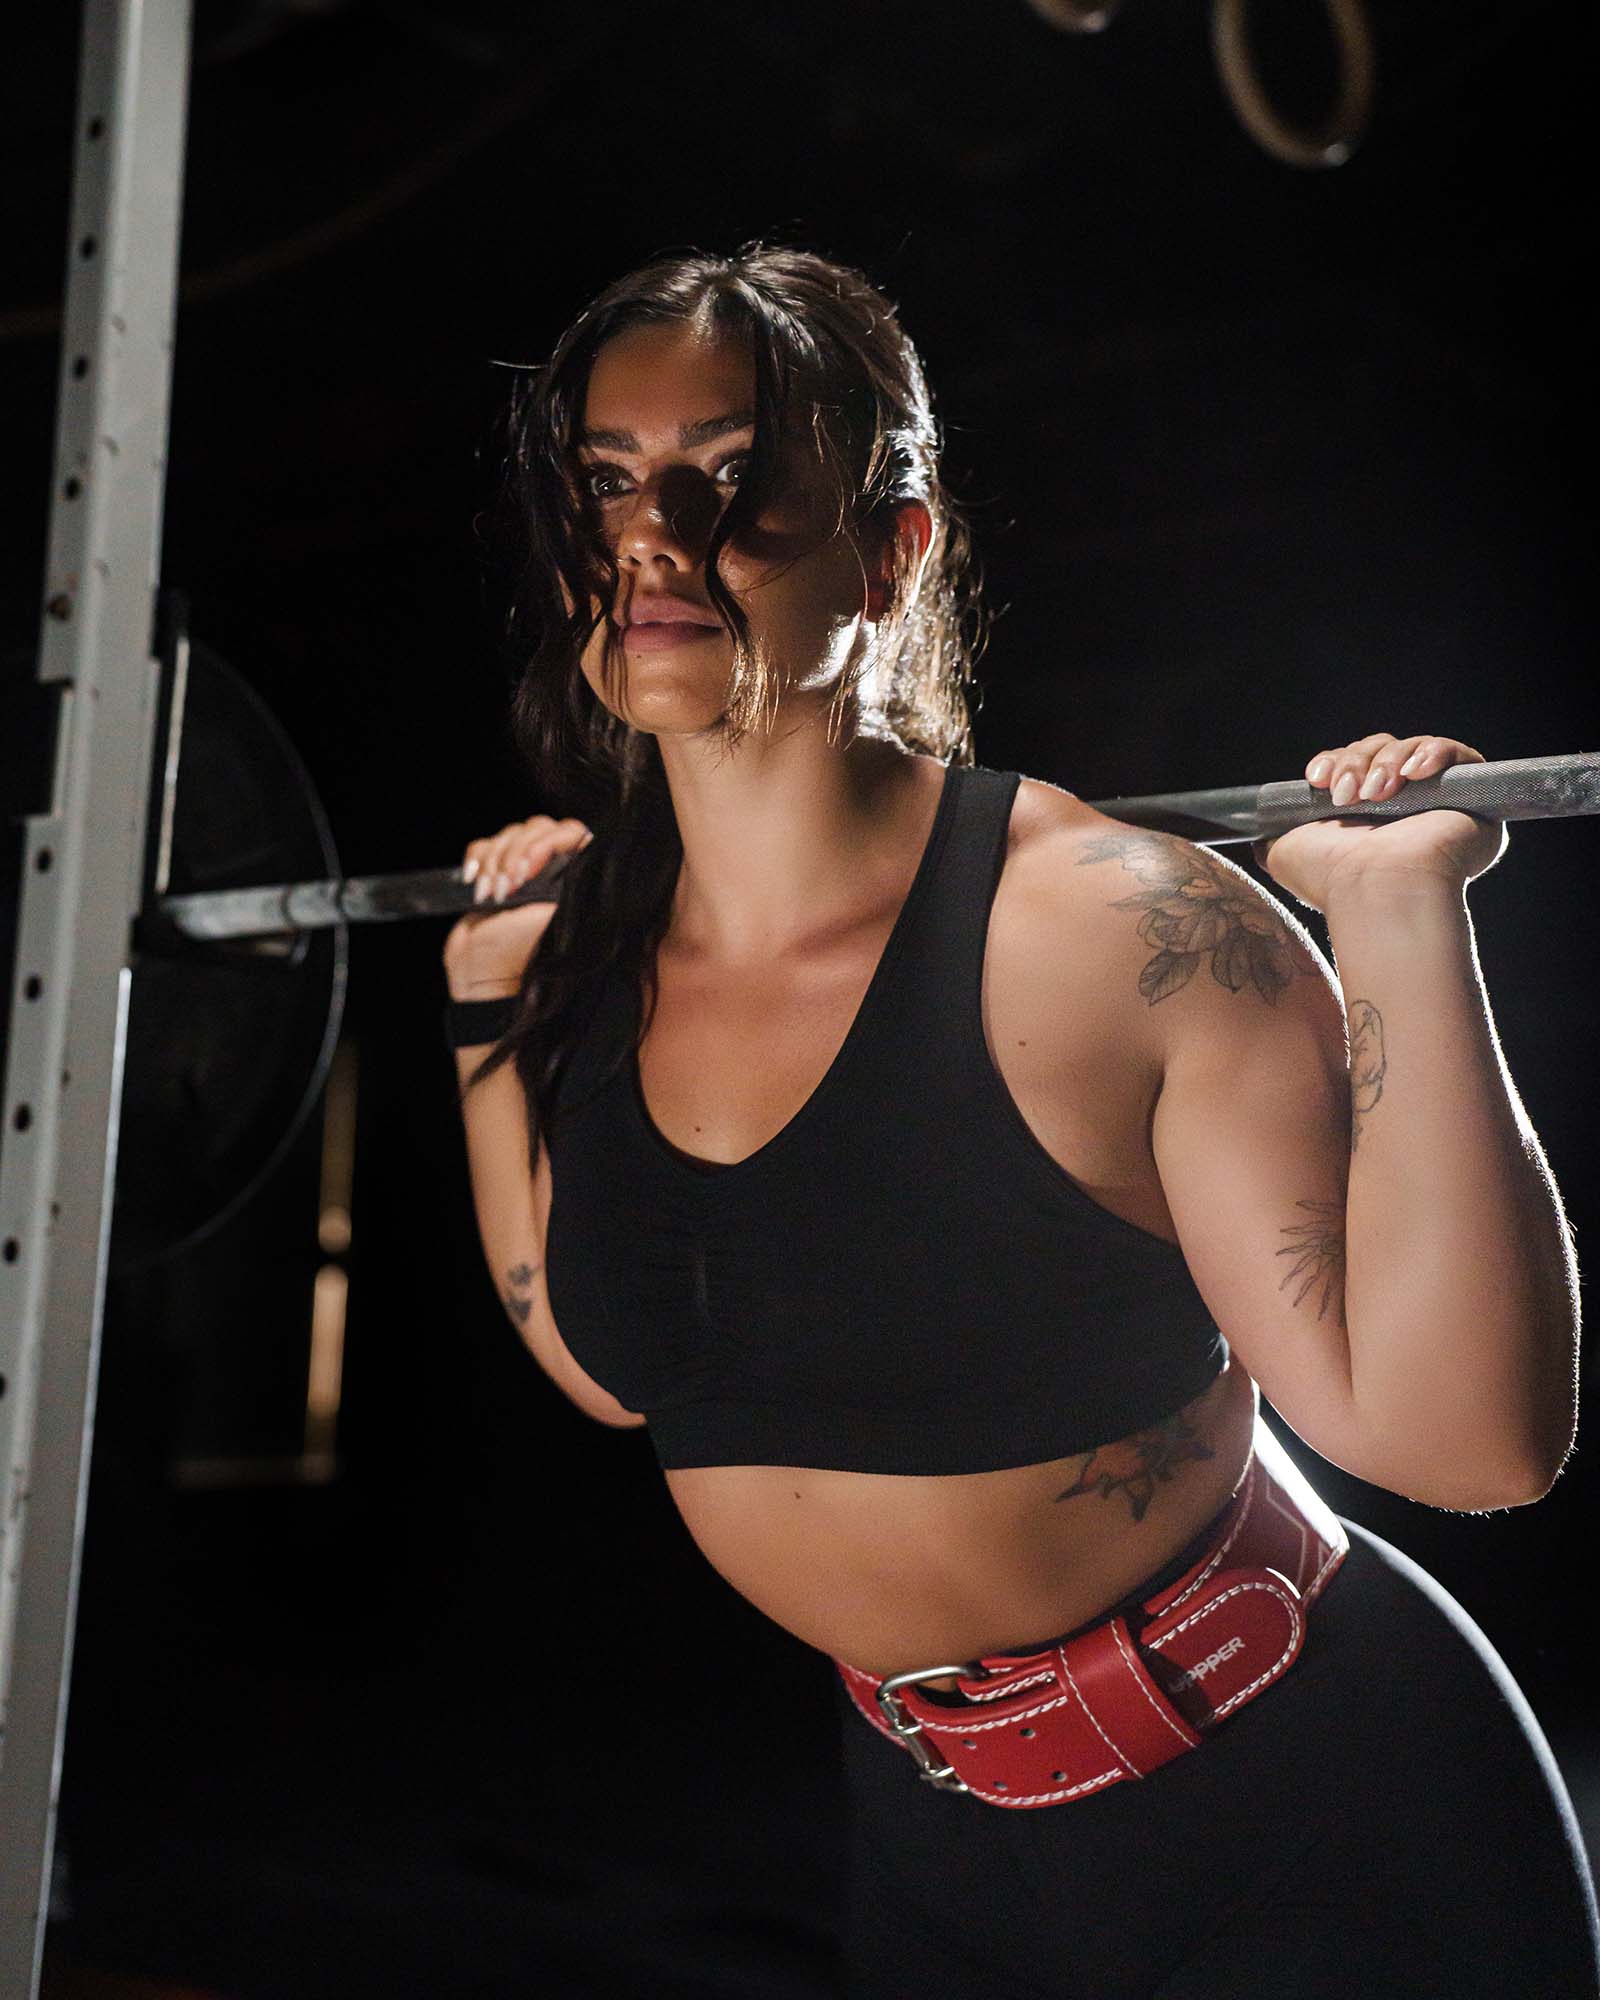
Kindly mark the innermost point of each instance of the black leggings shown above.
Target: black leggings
(1387, 1820)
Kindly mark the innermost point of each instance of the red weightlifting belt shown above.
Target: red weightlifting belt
(1150, 1681)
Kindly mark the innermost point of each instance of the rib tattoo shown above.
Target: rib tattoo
(1194, 906)
(519, 1294)
(1159, 1453)
(1317, 1246)
(1369, 1064)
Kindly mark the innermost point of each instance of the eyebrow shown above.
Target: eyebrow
(703, 431)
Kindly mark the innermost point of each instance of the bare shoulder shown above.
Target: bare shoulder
(1168, 931)
(1057, 972)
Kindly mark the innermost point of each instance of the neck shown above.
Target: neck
(789, 837)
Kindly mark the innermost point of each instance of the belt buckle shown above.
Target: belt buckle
(909, 1731)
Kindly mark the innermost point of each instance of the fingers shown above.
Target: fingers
(1377, 766)
(501, 862)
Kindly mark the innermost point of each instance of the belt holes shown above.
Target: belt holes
(1058, 1777)
(1024, 1732)
(969, 1743)
(999, 1787)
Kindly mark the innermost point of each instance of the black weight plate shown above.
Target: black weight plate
(228, 1044)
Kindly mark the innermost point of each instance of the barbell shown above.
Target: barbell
(1522, 788)
(241, 950)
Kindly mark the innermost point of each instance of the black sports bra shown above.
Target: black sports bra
(902, 1280)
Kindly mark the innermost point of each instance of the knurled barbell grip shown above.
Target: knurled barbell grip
(357, 899)
(1521, 788)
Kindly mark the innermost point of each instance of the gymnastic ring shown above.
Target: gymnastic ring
(1332, 143)
(1077, 17)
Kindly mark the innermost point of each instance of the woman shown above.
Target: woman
(938, 1167)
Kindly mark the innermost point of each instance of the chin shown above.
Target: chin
(658, 694)
(672, 711)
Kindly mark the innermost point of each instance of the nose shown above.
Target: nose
(671, 520)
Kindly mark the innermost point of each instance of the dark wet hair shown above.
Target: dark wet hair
(832, 365)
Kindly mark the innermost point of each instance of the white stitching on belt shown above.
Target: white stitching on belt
(856, 1673)
(1296, 1626)
(964, 1726)
(1043, 1798)
(1010, 1687)
(1127, 1762)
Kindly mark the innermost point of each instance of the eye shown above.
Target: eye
(604, 482)
(738, 465)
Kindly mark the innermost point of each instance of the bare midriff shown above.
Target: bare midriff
(890, 1572)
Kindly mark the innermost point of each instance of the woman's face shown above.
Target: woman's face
(668, 424)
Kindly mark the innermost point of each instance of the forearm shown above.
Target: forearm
(495, 1121)
(1460, 1283)
(512, 1202)
(495, 1117)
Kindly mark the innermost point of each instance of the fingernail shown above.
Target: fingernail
(1373, 785)
(1320, 769)
(501, 884)
(1344, 788)
(1411, 764)
(481, 890)
(469, 870)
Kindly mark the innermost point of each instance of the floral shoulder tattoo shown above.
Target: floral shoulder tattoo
(1195, 911)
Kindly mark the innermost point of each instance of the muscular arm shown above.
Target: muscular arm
(1382, 1246)
(1463, 1282)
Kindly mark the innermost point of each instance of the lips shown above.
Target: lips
(659, 609)
(660, 634)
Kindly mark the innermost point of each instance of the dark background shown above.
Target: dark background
(1260, 461)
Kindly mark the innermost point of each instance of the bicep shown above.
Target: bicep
(1242, 1018)
(1250, 1134)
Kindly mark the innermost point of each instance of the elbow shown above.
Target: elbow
(584, 1395)
(1543, 1463)
(1529, 1494)
(619, 1420)
(1541, 1475)
(1526, 1476)
(599, 1406)
(1523, 1491)
(1486, 1489)
(1471, 1496)
(1473, 1482)
(1504, 1446)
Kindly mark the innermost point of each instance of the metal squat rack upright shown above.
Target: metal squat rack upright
(82, 871)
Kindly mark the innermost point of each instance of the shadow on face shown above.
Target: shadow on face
(667, 435)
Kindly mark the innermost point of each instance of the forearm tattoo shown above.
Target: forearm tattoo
(1368, 1064)
(1317, 1248)
(1133, 1466)
(1195, 908)
(519, 1291)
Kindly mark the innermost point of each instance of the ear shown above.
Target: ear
(913, 531)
